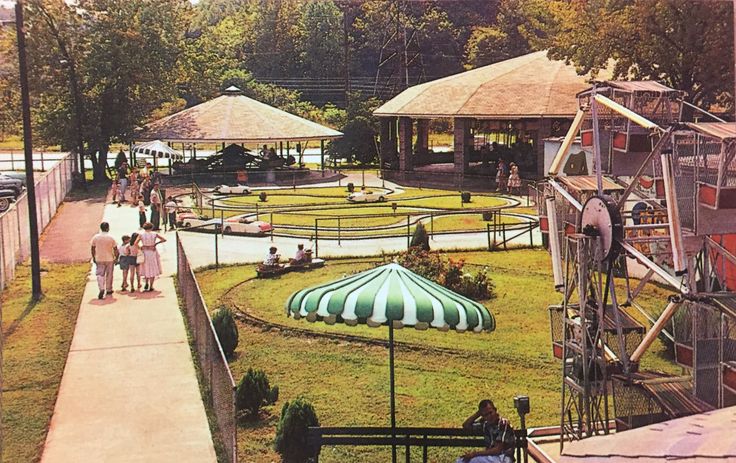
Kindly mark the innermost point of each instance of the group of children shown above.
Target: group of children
(130, 256)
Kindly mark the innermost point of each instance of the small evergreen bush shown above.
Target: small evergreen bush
(465, 196)
(227, 331)
(420, 239)
(351, 187)
(262, 196)
(291, 432)
(253, 392)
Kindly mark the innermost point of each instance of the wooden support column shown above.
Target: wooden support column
(385, 140)
(422, 148)
(544, 131)
(462, 148)
(406, 160)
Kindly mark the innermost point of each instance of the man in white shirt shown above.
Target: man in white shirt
(104, 255)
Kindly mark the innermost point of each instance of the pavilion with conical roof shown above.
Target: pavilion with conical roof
(532, 96)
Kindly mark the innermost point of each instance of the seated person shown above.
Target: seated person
(497, 433)
(272, 259)
(300, 257)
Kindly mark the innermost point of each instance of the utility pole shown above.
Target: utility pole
(28, 151)
(346, 50)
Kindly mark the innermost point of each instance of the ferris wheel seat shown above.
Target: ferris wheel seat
(714, 197)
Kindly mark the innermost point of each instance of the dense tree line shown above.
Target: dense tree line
(99, 68)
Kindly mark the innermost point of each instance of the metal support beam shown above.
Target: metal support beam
(654, 331)
(561, 155)
(664, 274)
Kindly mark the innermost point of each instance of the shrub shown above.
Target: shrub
(351, 187)
(262, 197)
(420, 239)
(465, 196)
(448, 273)
(254, 392)
(291, 432)
(227, 331)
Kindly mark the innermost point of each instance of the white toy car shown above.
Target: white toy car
(232, 190)
(247, 225)
(189, 219)
(367, 196)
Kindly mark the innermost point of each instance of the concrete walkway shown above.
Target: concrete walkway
(129, 391)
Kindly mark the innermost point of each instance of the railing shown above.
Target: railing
(15, 239)
(216, 379)
(15, 160)
(406, 437)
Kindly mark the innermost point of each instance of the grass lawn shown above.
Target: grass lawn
(37, 339)
(348, 381)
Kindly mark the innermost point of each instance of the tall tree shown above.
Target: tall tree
(683, 43)
(108, 62)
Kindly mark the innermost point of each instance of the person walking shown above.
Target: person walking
(124, 261)
(104, 255)
(502, 175)
(151, 267)
(156, 203)
(132, 251)
(123, 179)
(514, 180)
(133, 185)
(171, 212)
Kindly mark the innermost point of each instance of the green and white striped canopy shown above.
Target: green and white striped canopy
(390, 293)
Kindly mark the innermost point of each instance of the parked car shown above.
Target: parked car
(232, 190)
(6, 197)
(245, 224)
(367, 196)
(12, 184)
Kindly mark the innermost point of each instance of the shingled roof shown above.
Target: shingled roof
(234, 118)
(528, 86)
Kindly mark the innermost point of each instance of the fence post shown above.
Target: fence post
(217, 251)
(271, 227)
(43, 168)
(531, 236)
(256, 211)
(431, 225)
(503, 231)
(316, 239)
(408, 231)
(338, 232)
(488, 234)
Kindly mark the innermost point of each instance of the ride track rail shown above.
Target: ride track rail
(418, 214)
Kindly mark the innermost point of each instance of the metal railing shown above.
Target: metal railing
(216, 380)
(15, 240)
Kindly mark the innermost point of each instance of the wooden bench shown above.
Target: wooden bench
(406, 437)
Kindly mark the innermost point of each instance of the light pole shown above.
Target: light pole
(28, 151)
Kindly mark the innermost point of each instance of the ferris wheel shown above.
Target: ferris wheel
(659, 207)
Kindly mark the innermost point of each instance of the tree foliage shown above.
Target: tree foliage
(680, 42)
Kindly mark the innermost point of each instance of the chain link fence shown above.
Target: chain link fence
(216, 380)
(52, 187)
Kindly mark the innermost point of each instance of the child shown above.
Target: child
(171, 212)
(141, 211)
(132, 251)
(115, 191)
(124, 261)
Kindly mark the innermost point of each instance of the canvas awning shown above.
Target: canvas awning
(234, 118)
(390, 294)
(157, 149)
(529, 86)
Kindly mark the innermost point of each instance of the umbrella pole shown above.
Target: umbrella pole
(392, 387)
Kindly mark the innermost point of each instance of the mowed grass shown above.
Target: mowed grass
(348, 381)
(37, 339)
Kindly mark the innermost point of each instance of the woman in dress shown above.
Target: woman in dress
(514, 180)
(151, 266)
(133, 180)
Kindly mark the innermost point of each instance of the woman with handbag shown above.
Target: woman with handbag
(151, 266)
(134, 256)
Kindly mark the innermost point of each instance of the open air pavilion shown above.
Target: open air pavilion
(522, 100)
(234, 119)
